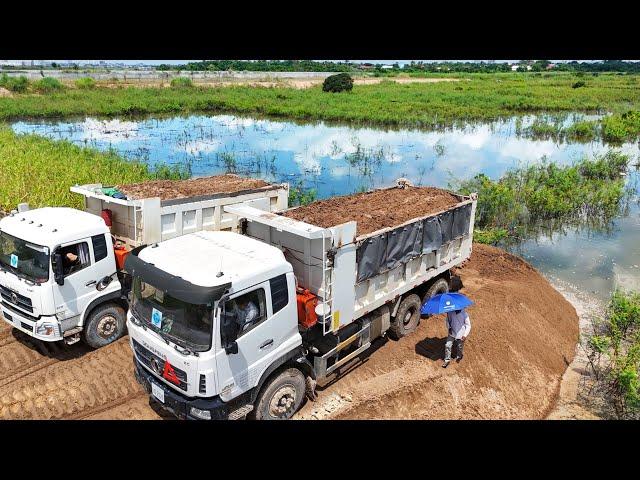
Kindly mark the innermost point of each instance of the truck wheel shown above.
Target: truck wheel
(407, 318)
(105, 325)
(281, 397)
(439, 286)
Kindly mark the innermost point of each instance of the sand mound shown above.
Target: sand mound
(523, 337)
(377, 209)
(171, 189)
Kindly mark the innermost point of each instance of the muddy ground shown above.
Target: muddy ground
(171, 189)
(376, 209)
(523, 337)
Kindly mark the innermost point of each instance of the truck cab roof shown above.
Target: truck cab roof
(200, 257)
(52, 226)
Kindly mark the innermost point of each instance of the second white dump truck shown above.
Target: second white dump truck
(226, 325)
(61, 274)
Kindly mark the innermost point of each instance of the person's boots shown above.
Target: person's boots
(459, 358)
(446, 363)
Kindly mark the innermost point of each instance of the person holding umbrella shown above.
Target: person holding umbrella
(458, 328)
(457, 321)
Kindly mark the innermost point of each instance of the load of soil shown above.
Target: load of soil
(523, 337)
(172, 189)
(377, 209)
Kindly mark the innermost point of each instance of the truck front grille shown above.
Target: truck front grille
(146, 356)
(14, 298)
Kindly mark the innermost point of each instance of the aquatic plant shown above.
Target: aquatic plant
(527, 201)
(613, 353)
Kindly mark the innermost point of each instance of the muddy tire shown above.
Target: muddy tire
(105, 324)
(407, 318)
(439, 286)
(281, 396)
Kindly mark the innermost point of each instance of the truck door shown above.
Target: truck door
(260, 341)
(79, 279)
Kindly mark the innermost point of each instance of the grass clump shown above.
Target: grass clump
(40, 171)
(621, 127)
(299, 195)
(14, 84)
(85, 83)
(48, 85)
(613, 352)
(181, 82)
(544, 197)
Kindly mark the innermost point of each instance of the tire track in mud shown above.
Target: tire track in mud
(51, 381)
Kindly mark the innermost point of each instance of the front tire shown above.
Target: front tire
(281, 397)
(407, 318)
(105, 325)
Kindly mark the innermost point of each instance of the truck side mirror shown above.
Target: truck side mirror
(58, 268)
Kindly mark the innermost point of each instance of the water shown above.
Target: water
(336, 160)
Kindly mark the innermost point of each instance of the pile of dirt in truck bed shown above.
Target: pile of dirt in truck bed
(523, 336)
(377, 209)
(172, 189)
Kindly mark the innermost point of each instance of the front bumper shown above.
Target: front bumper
(29, 325)
(178, 404)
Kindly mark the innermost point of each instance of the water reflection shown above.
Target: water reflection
(336, 160)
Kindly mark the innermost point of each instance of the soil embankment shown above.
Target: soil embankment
(376, 209)
(523, 337)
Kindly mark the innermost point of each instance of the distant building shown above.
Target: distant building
(386, 67)
(366, 66)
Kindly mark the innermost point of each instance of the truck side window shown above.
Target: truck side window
(99, 247)
(279, 292)
(248, 310)
(75, 257)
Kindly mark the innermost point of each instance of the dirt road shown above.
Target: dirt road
(524, 336)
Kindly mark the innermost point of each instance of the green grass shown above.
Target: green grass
(613, 352)
(542, 198)
(421, 105)
(40, 171)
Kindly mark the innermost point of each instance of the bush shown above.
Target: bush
(578, 84)
(47, 85)
(181, 82)
(15, 84)
(85, 83)
(341, 82)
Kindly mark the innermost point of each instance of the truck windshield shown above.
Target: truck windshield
(185, 324)
(25, 259)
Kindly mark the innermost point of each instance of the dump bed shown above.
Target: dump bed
(173, 211)
(354, 274)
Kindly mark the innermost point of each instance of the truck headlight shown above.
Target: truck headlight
(202, 414)
(46, 329)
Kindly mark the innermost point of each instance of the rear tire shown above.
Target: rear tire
(105, 324)
(439, 286)
(407, 318)
(281, 397)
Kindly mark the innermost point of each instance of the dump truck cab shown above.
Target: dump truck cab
(194, 326)
(56, 265)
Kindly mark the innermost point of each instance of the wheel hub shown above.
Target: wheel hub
(107, 326)
(407, 316)
(282, 402)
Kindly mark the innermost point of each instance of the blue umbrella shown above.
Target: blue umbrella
(445, 302)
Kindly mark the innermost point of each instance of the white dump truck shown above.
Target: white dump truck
(61, 268)
(227, 325)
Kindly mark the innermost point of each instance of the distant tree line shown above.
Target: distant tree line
(412, 67)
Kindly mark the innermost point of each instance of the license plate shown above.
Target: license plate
(157, 392)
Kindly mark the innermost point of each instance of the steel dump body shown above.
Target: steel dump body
(151, 220)
(353, 276)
